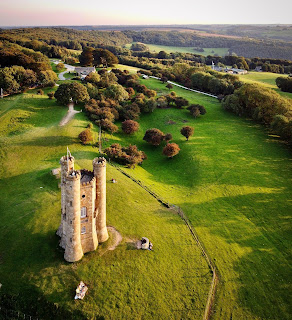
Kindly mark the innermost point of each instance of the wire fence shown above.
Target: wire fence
(179, 211)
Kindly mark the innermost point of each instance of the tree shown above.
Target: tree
(169, 86)
(104, 57)
(181, 102)
(47, 78)
(138, 46)
(86, 57)
(168, 137)
(51, 95)
(85, 136)
(154, 136)
(93, 77)
(107, 125)
(170, 150)
(116, 92)
(187, 131)
(129, 156)
(60, 66)
(72, 91)
(130, 126)
(196, 110)
(149, 105)
(130, 91)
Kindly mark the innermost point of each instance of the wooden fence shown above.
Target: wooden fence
(179, 211)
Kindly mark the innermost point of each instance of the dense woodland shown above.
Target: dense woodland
(78, 39)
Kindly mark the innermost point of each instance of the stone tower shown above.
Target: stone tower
(83, 208)
(99, 169)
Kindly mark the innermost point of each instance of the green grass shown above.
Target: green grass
(231, 178)
(170, 282)
(128, 68)
(267, 79)
(171, 49)
(233, 181)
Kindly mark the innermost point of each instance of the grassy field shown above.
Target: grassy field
(267, 79)
(169, 49)
(233, 180)
(170, 282)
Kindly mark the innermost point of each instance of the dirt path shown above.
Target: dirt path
(70, 114)
(117, 236)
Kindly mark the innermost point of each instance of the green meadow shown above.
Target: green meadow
(267, 79)
(171, 49)
(232, 179)
(125, 283)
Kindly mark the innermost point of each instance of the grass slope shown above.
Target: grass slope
(171, 282)
(234, 183)
(267, 79)
(170, 49)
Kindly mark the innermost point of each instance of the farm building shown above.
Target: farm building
(84, 71)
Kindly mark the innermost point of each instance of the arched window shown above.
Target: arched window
(83, 230)
(83, 212)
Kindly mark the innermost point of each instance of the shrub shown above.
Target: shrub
(51, 95)
(187, 131)
(170, 150)
(154, 136)
(85, 136)
(168, 137)
(107, 125)
(130, 126)
(40, 91)
(129, 156)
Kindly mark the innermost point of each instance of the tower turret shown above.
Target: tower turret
(67, 165)
(73, 248)
(99, 169)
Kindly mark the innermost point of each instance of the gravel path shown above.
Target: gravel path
(70, 114)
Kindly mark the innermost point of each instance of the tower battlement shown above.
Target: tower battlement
(83, 208)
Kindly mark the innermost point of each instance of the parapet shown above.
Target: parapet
(87, 178)
(74, 175)
(65, 159)
(100, 162)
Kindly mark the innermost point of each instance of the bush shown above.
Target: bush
(154, 136)
(130, 126)
(187, 131)
(168, 137)
(85, 136)
(170, 150)
(129, 156)
(51, 95)
(107, 125)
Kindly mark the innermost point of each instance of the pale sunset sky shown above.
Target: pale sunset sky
(133, 12)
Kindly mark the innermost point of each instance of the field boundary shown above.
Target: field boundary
(179, 211)
(186, 88)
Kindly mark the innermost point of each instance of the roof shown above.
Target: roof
(85, 70)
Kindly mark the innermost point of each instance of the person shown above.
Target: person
(150, 245)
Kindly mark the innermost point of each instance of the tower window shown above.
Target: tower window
(83, 196)
(83, 212)
(70, 203)
(83, 230)
(64, 216)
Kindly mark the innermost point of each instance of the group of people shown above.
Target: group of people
(81, 290)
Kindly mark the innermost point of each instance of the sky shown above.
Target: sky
(146, 12)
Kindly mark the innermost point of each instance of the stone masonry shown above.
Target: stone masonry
(83, 208)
